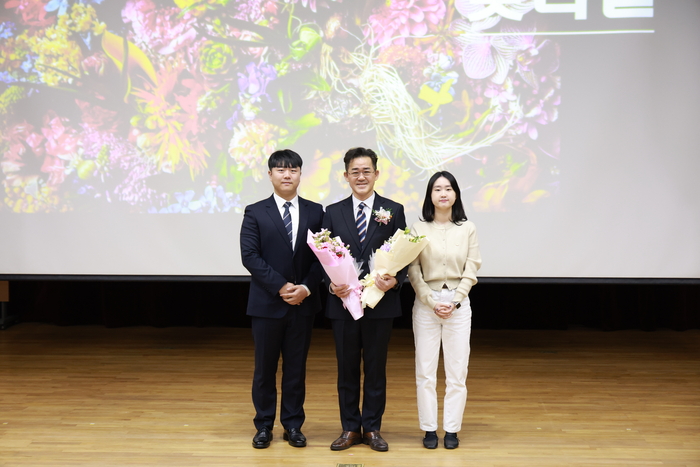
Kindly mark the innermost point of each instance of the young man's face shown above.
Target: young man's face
(361, 177)
(285, 181)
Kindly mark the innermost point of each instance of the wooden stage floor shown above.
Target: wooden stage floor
(87, 395)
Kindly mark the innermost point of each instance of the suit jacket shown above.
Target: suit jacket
(340, 220)
(267, 254)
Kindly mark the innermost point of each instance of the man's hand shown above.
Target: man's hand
(341, 291)
(293, 294)
(385, 282)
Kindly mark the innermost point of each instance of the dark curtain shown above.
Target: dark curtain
(495, 305)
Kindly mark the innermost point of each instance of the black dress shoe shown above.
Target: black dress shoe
(262, 438)
(451, 440)
(295, 437)
(431, 440)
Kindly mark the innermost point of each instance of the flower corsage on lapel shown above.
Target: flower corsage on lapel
(383, 216)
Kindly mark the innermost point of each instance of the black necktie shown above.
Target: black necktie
(361, 222)
(287, 219)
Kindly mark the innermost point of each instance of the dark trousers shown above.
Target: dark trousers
(290, 337)
(355, 341)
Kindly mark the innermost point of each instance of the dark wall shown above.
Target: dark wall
(495, 305)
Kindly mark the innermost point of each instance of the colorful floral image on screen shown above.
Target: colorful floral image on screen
(157, 106)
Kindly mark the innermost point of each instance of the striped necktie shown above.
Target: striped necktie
(361, 222)
(287, 218)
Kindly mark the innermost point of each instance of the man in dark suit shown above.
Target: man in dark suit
(359, 221)
(283, 298)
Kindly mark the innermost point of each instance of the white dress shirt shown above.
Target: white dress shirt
(369, 202)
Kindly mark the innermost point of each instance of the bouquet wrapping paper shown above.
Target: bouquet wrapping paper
(340, 267)
(396, 253)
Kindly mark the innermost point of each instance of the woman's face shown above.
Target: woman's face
(443, 196)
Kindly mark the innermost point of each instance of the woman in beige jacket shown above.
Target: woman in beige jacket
(442, 276)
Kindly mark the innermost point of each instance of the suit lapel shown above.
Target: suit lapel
(349, 216)
(276, 218)
(303, 222)
(371, 223)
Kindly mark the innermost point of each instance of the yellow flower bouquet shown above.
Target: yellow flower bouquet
(394, 255)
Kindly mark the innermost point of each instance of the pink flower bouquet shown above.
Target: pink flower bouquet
(396, 253)
(339, 265)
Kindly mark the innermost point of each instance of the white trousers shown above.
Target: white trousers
(429, 331)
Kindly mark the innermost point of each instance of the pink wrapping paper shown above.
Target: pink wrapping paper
(341, 270)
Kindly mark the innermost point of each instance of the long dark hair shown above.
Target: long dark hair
(458, 214)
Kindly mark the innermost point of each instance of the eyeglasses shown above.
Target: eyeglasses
(366, 173)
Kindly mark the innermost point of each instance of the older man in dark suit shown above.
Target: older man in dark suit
(284, 298)
(364, 221)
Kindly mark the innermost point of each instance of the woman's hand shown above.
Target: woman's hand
(444, 310)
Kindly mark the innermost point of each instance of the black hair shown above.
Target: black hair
(360, 152)
(458, 214)
(285, 158)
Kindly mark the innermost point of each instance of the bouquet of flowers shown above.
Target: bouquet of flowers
(340, 266)
(397, 252)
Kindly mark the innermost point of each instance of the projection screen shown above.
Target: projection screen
(134, 132)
